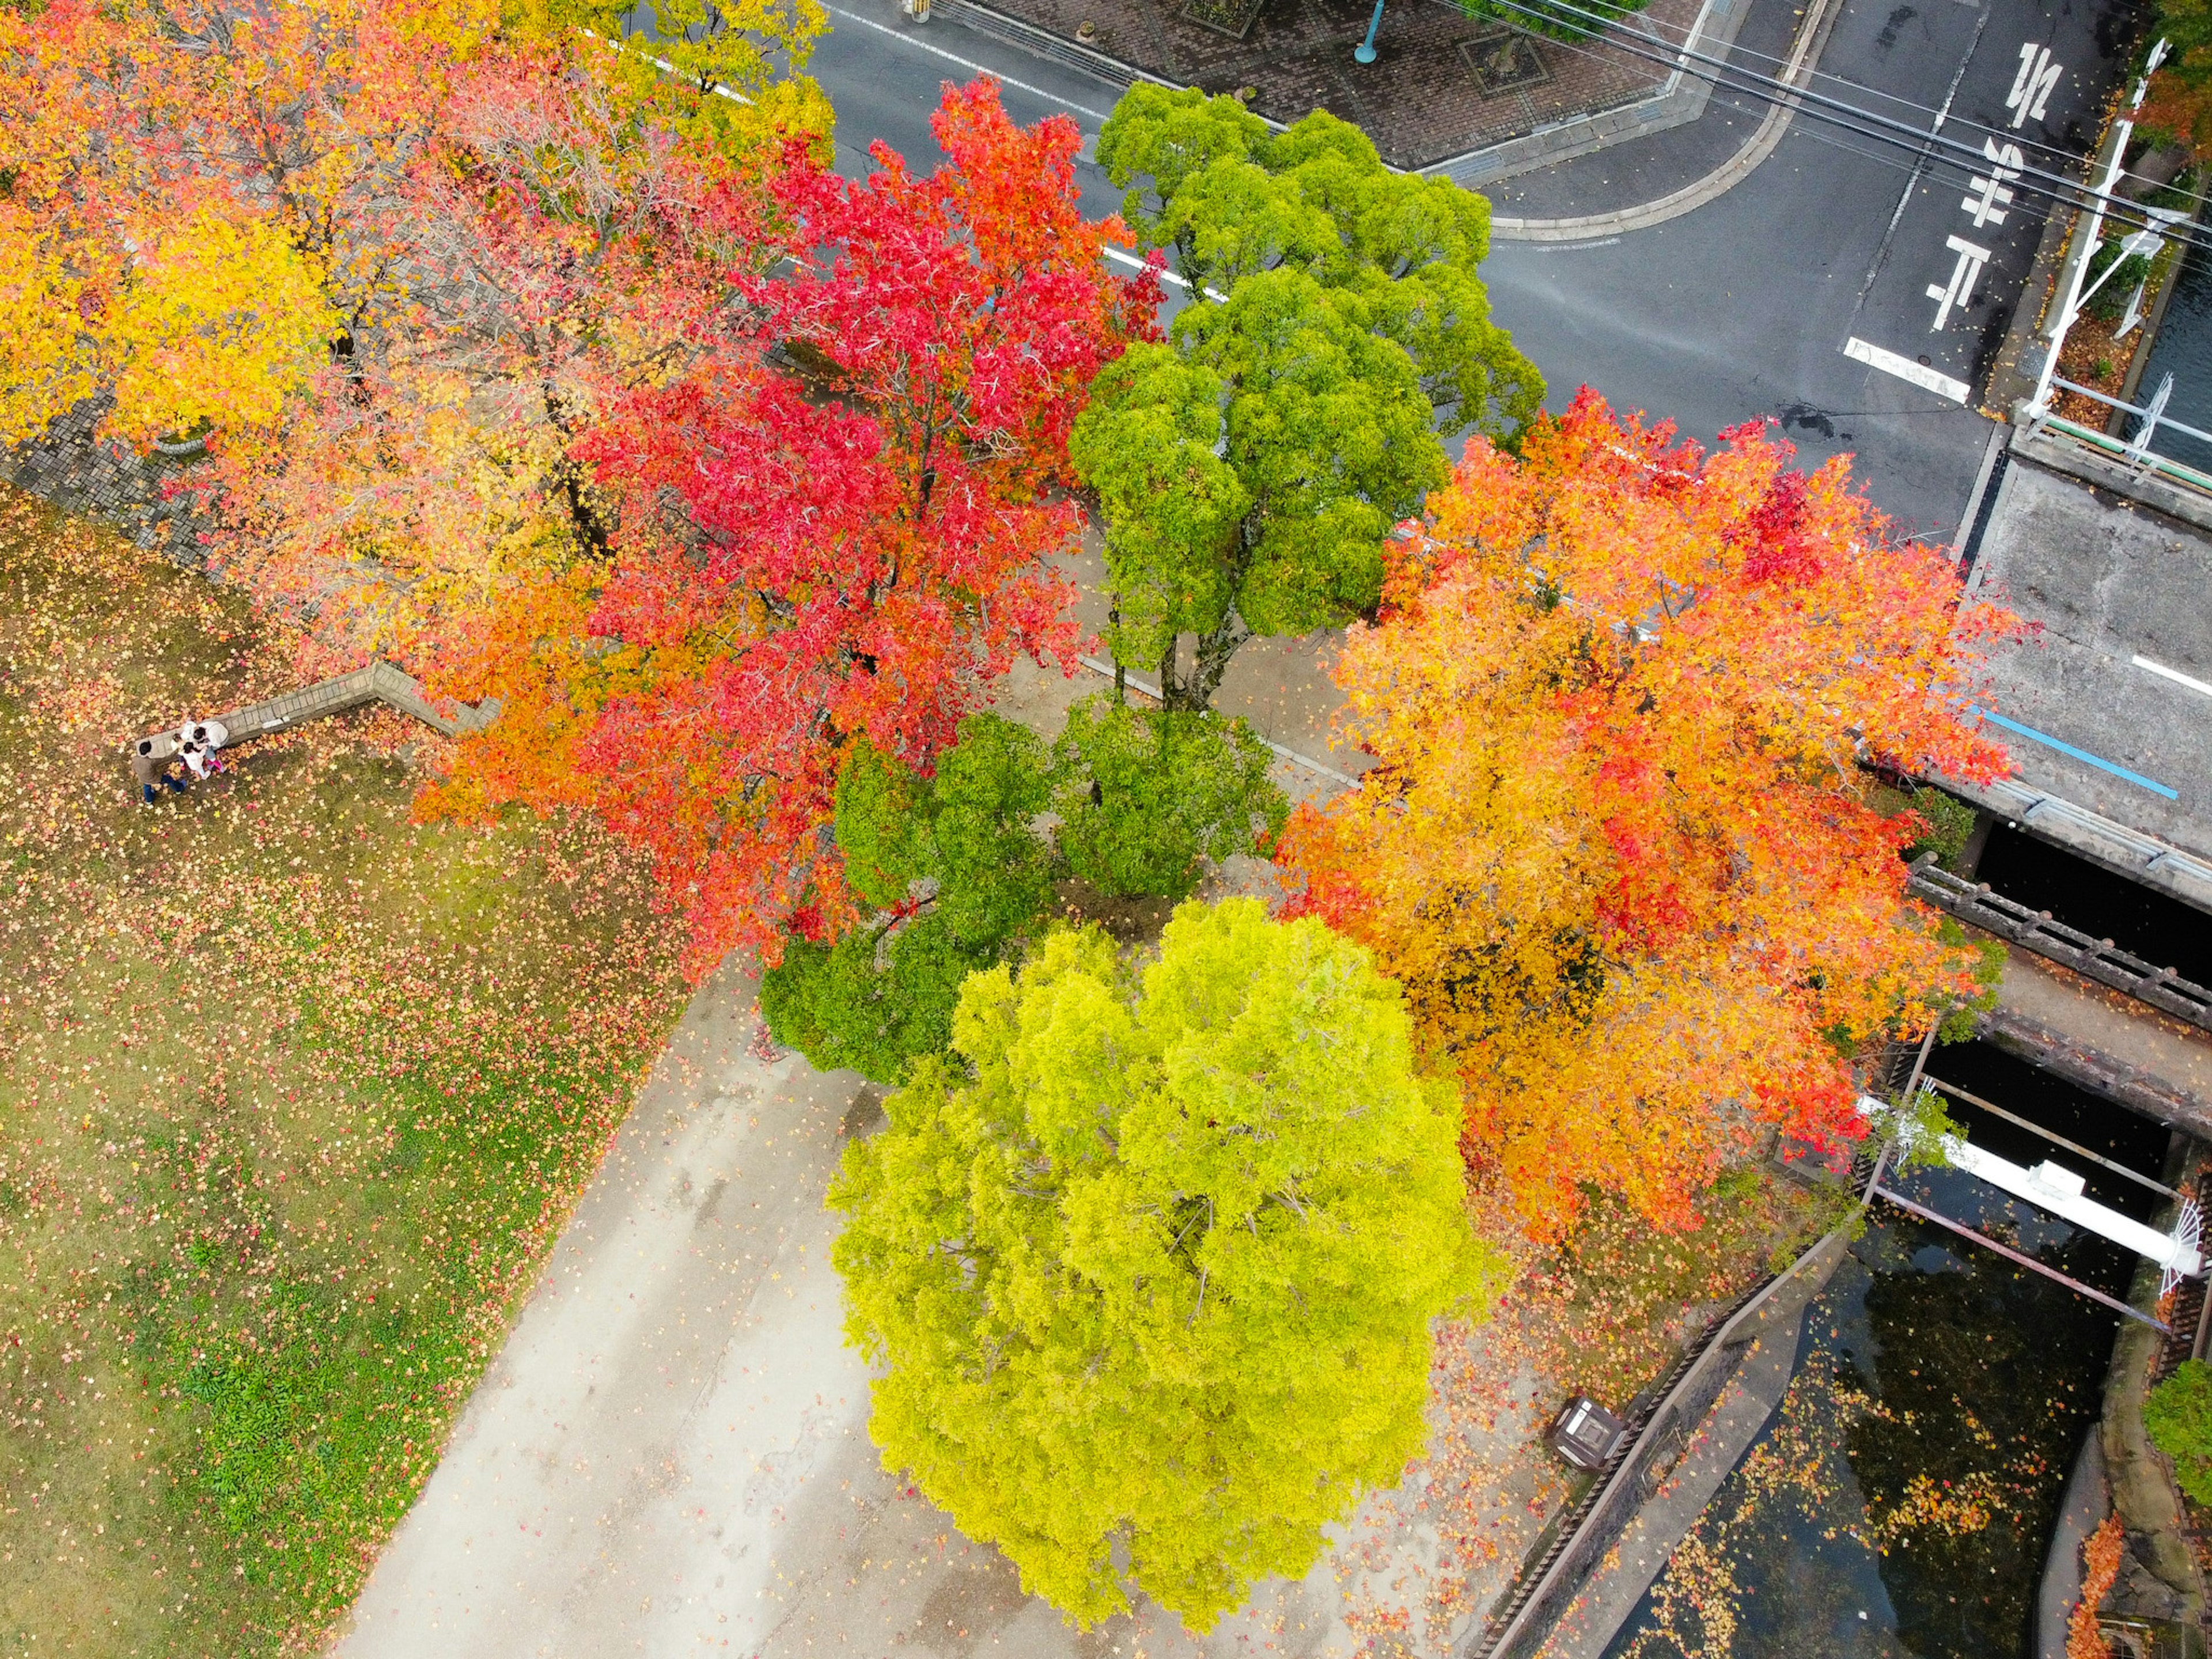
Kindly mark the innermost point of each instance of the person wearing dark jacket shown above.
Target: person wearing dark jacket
(151, 769)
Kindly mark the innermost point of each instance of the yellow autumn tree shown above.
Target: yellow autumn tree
(221, 319)
(47, 361)
(201, 197)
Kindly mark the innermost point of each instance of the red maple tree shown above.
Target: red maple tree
(836, 523)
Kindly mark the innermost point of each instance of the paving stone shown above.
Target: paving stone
(68, 467)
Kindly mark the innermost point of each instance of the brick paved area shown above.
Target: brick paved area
(1424, 98)
(65, 466)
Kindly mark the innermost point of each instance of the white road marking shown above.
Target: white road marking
(1928, 380)
(1053, 98)
(2032, 88)
(1166, 275)
(1993, 195)
(1961, 288)
(2173, 674)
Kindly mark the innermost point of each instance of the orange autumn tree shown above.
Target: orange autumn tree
(1617, 845)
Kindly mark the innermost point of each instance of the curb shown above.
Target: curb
(1811, 39)
(1640, 116)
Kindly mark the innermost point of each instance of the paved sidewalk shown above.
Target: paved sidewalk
(671, 1454)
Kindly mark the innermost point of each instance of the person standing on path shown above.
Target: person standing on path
(151, 769)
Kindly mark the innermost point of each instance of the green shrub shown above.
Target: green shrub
(2109, 301)
(1947, 822)
(2179, 1415)
(959, 873)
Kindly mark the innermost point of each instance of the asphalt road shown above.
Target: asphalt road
(1742, 308)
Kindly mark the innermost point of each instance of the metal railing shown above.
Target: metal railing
(1659, 1436)
(2134, 451)
(2035, 930)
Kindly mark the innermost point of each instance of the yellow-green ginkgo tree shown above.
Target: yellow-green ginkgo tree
(1152, 1262)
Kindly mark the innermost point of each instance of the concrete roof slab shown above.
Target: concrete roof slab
(2106, 581)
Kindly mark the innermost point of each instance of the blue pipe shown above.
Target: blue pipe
(1365, 51)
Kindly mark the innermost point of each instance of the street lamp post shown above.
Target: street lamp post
(1365, 51)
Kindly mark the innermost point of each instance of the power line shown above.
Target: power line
(1604, 10)
(2034, 181)
(1869, 123)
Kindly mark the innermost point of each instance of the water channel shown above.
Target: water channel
(2184, 349)
(2158, 928)
(1900, 1500)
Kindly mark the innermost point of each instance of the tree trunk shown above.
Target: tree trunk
(1214, 651)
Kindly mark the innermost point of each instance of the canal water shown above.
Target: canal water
(2162, 930)
(1901, 1500)
(2184, 348)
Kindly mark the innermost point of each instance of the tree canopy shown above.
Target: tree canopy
(221, 196)
(1147, 798)
(957, 874)
(960, 873)
(497, 322)
(1152, 1265)
(799, 568)
(1251, 469)
(1618, 843)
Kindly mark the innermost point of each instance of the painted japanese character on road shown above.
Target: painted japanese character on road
(1953, 295)
(2032, 87)
(1988, 197)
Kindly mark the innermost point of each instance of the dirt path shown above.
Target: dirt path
(671, 1454)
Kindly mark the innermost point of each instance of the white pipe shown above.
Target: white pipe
(2050, 1187)
(2078, 263)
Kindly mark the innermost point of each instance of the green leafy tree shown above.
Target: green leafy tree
(1153, 1268)
(1251, 469)
(2177, 1414)
(2187, 26)
(1145, 797)
(958, 874)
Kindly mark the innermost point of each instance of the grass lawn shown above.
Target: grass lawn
(294, 1096)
